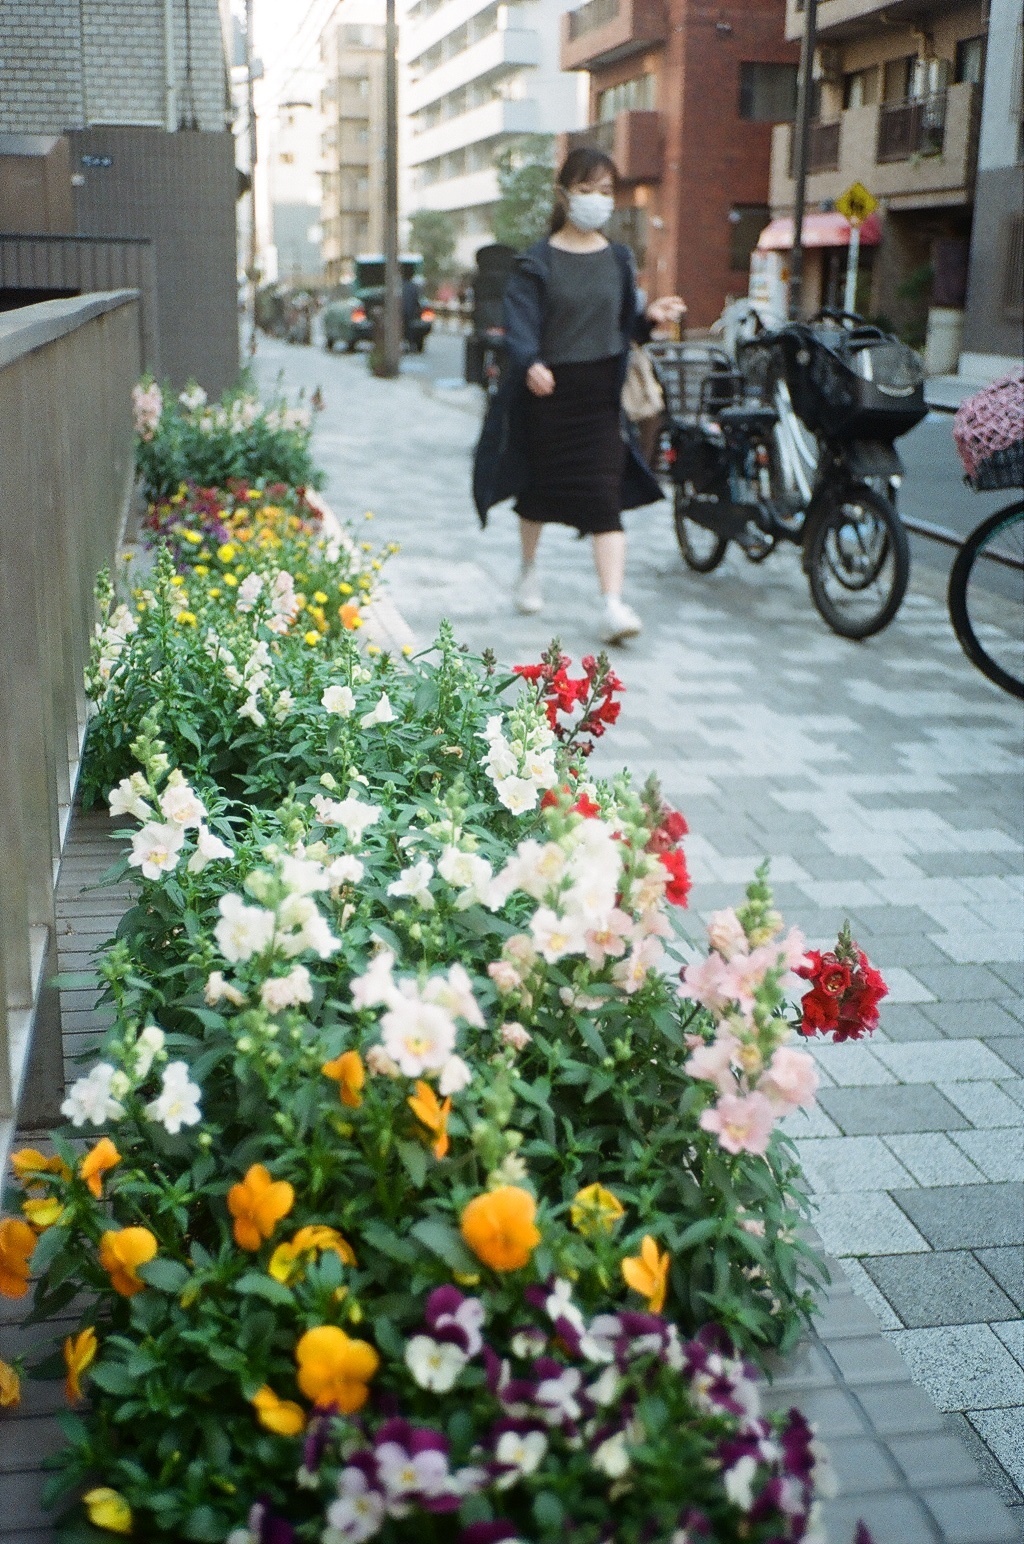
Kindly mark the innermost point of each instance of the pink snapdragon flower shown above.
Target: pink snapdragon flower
(726, 935)
(742, 1122)
(791, 1079)
(713, 1063)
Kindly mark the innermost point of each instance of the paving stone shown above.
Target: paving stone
(943, 1287)
(866, 1290)
(962, 983)
(970, 1514)
(907, 1021)
(998, 1153)
(933, 1159)
(934, 1460)
(1010, 1048)
(863, 1467)
(866, 1224)
(1011, 1333)
(941, 1062)
(971, 1370)
(1007, 1267)
(993, 1215)
(984, 1457)
(836, 1164)
(809, 1123)
(1001, 1430)
(1014, 1089)
(984, 1104)
(850, 1064)
(890, 1519)
(834, 1412)
(880, 1111)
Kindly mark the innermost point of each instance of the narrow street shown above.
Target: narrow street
(884, 781)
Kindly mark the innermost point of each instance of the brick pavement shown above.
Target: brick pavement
(884, 781)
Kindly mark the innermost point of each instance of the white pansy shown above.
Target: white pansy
(91, 1099)
(148, 1047)
(156, 849)
(414, 884)
(339, 699)
(434, 1364)
(280, 992)
(180, 805)
(419, 1036)
(381, 713)
(612, 1456)
(376, 985)
(739, 1482)
(209, 848)
(177, 1103)
(455, 1076)
(242, 930)
(218, 990)
(522, 1452)
(127, 797)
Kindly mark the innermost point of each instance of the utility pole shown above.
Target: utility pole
(252, 256)
(802, 130)
(391, 341)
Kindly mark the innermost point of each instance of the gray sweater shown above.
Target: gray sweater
(584, 304)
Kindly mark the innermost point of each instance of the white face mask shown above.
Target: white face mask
(589, 211)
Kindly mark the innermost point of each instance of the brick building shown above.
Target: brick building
(117, 168)
(683, 95)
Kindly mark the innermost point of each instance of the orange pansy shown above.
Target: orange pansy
(122, 1251)
(28, 1163)
(282, 1416)
(79, 1353)
(257, 1204)
(430, 1112)
(647, 1273)
(334, 1369)
(43, 1211)
(10, 1386)
(350, 617)
(286, 1260)
(348, 1072)
(17, 1241)
(95, 1164)
(499, 1227)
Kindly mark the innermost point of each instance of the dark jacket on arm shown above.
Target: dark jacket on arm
(501, 466)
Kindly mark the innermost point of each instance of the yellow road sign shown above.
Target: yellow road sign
(857, 203)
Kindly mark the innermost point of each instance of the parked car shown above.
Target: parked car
(349, 319)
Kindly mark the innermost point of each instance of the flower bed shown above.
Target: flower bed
(411, 1166)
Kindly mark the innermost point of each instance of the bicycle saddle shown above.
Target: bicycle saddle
(751, 416)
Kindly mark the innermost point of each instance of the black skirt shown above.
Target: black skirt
(576, 450)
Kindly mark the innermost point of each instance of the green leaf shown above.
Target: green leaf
(164, 1275)
(548, 1510)
(378, 1236)
(698, 1232)
(252, 1284)
(414, 1161)
(113, 1378)
(443, 1240)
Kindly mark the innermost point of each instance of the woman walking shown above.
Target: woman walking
(554, 434)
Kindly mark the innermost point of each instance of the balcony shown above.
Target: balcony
(911, 154)
(502, 50)
(602, 32)
(633, 138)
(841, 20)
(485, 122)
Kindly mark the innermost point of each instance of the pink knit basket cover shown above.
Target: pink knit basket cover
(991, 420)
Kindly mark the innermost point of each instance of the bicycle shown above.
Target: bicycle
(989, 568)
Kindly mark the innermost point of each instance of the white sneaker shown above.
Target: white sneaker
(619, 621)
(528, 597)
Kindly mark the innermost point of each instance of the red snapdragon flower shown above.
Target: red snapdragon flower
(845, 991)
(678, 887)
(587, 701)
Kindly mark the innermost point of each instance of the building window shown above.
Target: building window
(768, 92)
(896, 78)
(970, 61)
(861, 88)
(746, 222)
(635, 95)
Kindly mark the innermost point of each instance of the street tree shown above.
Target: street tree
(525, 168)
(432, 234)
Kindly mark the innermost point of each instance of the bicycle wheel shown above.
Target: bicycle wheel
(986, 598)
(702, 549)
(858, 563)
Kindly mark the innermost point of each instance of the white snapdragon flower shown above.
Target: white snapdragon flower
(209, 848)
(339, 699)
(303, 876)
(557, 936)
(283, 706)
(248, 592)
(345, 870)
(148, 1047)
(242, 930)
(517, 794)
(156, 849)
(300, 927)
(455, 1076)
(177, 1103)
(91, 1100)
(280, 992)
(381, 713)
(466, 872)
(354, 816)
(127, 798)
(418, 1036)
(377, 984)
(414, 884)
(217, 990)
(250, 709)
(454, 993)
(180, 805)
(434, 1364)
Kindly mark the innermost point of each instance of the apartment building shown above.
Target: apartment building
(117, 169)
(897, 107)
(352, 141)
(683, 96)
(294, 182)
(478, 74)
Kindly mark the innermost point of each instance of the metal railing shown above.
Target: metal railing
(914, 127)
(594, 14)
(822, 146)
(66, 372)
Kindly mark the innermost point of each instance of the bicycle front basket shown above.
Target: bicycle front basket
(857, 385)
